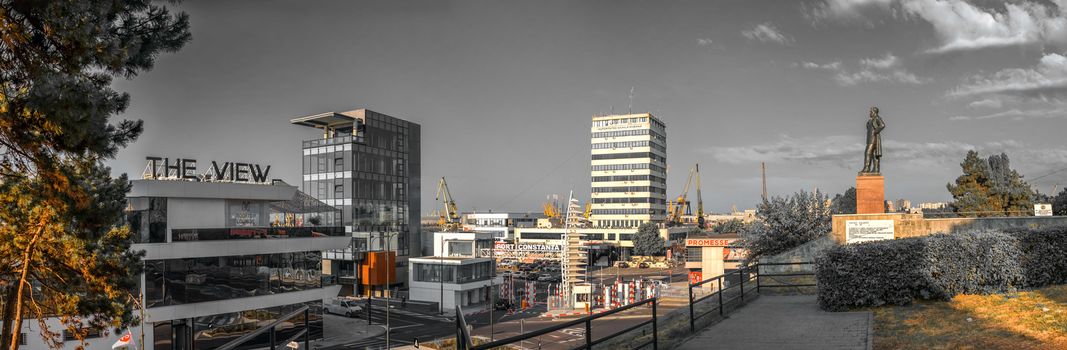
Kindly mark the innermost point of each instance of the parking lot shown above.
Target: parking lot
(545, 275)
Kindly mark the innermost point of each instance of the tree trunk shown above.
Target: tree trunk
(9, 300)
(22, 284)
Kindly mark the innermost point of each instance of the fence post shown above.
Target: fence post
(757, 279)
(692, 323)
(655, 329)
(271, 338)
(741, 273)
(720, 294)
(589, 334)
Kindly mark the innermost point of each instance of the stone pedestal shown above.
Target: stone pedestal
(870, 194)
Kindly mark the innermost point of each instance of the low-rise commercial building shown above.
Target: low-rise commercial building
(221, 259)
(502, 225)
(460, 272)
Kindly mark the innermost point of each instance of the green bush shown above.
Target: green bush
(939, 267)
(1045, 255)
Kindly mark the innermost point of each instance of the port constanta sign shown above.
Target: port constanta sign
(539, 248)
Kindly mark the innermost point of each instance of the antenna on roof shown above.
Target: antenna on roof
(630, 108)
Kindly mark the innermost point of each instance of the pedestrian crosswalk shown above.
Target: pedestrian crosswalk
(380, 314)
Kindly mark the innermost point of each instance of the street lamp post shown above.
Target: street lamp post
(441, 278)
(388, 285)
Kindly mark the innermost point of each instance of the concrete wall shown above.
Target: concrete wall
(431, 292)
(196, 213)
(914, 225)
(804, 253)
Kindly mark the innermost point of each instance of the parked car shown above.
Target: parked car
(643, 265)
(622, 265)
(660, 265)
(502, 304)
(343, 307)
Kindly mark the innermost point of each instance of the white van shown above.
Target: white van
(339, 306)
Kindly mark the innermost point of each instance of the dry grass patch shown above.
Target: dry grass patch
(1025, 320)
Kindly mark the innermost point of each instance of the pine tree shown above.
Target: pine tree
(844, 203)
(784, 223)
(1015, 194)
(972, 192)
(1059, 203)
(63, 248)
(647, 241)
(990, 188)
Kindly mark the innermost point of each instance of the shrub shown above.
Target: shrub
(1044, 255)
(931, 267)
(786, 223)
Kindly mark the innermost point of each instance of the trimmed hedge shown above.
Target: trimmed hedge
(940, 266)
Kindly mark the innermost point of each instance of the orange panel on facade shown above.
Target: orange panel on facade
(378, 268)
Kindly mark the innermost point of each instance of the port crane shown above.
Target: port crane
(449, 220)
(681, 206)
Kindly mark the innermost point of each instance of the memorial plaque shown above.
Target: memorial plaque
(1044, 209)
(857, 231)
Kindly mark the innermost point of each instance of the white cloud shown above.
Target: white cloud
(1017, 114)
(766, 32)
(961, 24)
(884, 69)
(875, 76)
(704, 41)
(991, 103)
(1046, 80)
(832, 66)
(889, 61)
(846, 151)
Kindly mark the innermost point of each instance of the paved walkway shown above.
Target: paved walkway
(786, 322)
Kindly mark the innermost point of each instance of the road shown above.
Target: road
(405, 323)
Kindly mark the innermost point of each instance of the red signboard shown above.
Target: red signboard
(709, 242)
(695, 277)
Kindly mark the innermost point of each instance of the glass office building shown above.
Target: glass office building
(367, 165)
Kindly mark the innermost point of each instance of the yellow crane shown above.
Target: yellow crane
(700, 201)
(449, 219)
(680, 206)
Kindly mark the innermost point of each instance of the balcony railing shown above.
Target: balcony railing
(218, 234)
(338, 140)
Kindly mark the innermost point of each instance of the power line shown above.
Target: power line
(1047, 175)
(542, 178)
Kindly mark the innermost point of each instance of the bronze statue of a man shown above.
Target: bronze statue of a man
(872, 155)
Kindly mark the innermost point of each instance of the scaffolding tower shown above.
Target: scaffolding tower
(574, 254)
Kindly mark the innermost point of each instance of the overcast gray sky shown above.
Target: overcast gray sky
(504, 90)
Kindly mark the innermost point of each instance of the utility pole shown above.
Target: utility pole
(441, 278)
(763, 174)
(391, 259)
(492, 279)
